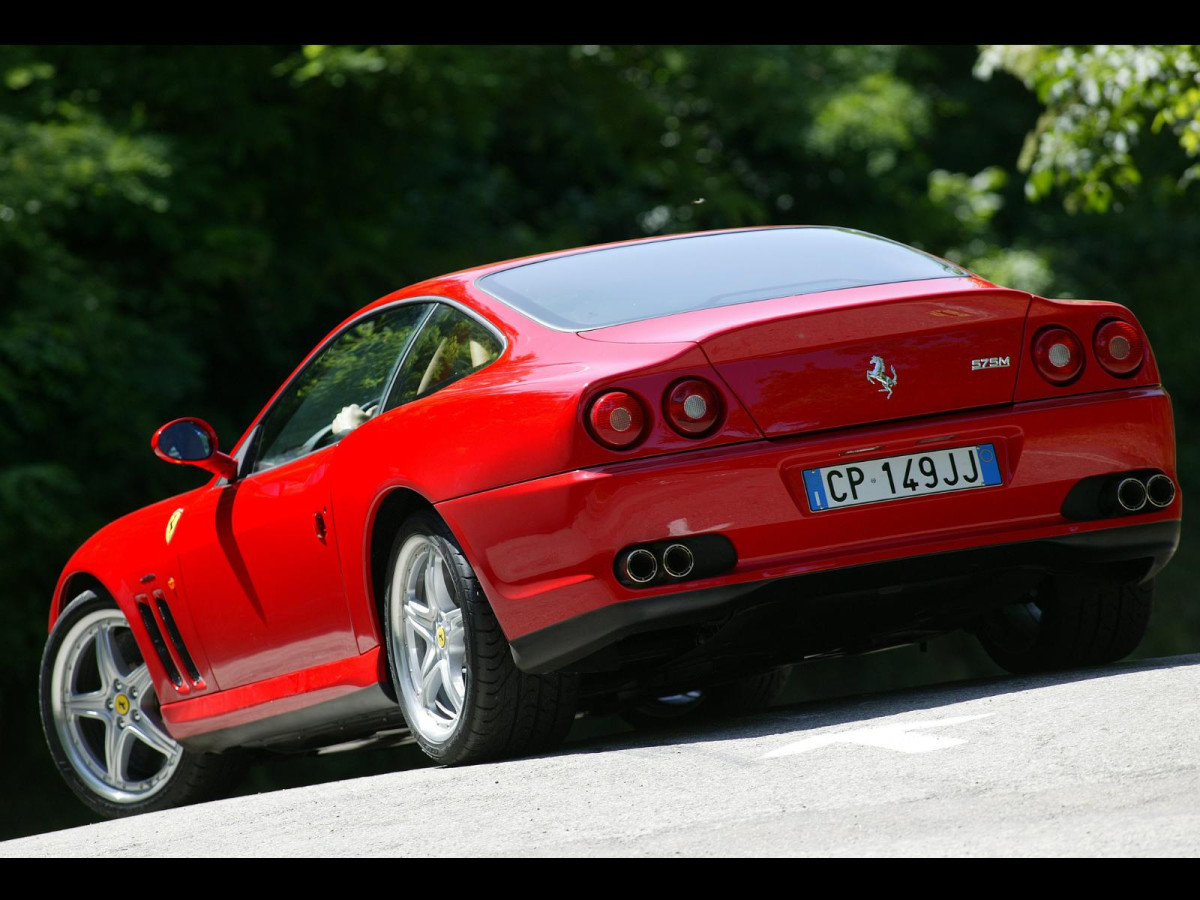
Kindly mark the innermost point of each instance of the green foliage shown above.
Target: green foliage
(1099, 101)
(180, 225)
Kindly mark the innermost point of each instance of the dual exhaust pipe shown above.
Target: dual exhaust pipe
(1133, 494)
(675, 559)
(641, 566)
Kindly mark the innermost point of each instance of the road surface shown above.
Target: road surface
(1100, 762)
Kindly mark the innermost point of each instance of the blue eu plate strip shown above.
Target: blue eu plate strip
(815, 487)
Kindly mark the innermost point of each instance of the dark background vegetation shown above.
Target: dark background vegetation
(178, 226)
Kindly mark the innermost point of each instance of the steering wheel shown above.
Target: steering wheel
(325, 436)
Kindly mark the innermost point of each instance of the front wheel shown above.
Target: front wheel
(101, 718)
(1063, 625)
(463, 697)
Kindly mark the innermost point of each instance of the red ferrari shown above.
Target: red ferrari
(644, 477)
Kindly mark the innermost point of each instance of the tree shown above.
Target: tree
(1100, 102)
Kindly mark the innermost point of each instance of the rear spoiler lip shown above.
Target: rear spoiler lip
(703, 324)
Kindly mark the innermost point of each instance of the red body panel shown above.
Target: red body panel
(131, 557)
(280, 619)
(792, 374)
(275, 696)
(253, 548)
(544, 549)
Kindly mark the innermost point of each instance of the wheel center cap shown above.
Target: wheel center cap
(441, 636)
(121, 704)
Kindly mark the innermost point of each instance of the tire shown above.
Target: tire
(463, 697)
(1064, 626)
(119, 764)
(745, 696)
(663, 712)
(749, 695)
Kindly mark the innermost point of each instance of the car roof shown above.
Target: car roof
(464, 285)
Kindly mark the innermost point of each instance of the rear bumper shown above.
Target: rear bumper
(1028, 562)
(544, 549)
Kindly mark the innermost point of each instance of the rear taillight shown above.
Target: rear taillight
(1119, 347)
(693, 407)
(617, 419)
(1058, 355)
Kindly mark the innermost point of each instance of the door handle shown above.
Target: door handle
(319, 523)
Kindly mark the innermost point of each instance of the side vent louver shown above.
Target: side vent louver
(160, 645)
(176, 638)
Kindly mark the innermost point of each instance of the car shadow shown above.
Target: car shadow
(611, 734)
(855, 709)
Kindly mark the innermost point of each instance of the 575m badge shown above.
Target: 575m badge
(991, 362)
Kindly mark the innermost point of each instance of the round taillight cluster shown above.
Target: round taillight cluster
(617, 419)
(1119, 347)
(1058, 355)
(693, 407)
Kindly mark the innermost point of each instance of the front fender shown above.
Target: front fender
(133, 562)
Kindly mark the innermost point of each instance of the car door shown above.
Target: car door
(260, 563)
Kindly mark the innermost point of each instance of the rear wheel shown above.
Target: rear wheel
(1063, 625)
(462, 695)
(101, 718)
(742, 697)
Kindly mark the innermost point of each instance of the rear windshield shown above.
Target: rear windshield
(597, 288)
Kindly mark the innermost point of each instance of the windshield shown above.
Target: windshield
(597, 288)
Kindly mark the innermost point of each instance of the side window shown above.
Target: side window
(339, 389)
(451, 346)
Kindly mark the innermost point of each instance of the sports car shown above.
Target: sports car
(645, 477)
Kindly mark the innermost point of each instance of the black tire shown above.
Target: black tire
(1063, 626)
(663, 712)
(505, 712)
(749, 695)
(196, 776)
(745, 696)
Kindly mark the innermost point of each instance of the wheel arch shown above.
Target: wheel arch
(395, 506)
(72, 586)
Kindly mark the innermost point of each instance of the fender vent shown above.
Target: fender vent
(176, 638)
(160, 645)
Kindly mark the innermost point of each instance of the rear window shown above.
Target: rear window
(597, 288)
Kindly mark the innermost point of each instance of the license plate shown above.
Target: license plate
(896, 477)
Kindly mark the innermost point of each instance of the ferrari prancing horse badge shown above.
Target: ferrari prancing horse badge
(172, 522)
(878, 374)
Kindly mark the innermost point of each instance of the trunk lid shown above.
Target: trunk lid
(822, 362)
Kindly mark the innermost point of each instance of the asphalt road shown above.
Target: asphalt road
(1101, 762)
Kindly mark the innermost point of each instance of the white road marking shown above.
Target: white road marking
(905, 737)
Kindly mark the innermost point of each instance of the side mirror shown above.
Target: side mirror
(192, 442)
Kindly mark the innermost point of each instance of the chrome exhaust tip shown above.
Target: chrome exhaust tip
(678, 561)
(640, 566)
(1131, 494)
(1160, 490)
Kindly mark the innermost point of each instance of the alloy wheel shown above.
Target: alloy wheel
(106, 713)
(430, 641)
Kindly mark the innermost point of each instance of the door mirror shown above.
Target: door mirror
(193, 442)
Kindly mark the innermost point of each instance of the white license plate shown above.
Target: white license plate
(895, 477)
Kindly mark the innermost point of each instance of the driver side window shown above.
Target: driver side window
(353, 370)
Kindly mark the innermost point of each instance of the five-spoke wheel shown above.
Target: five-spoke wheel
(105, 711)
(102, 720)
(431, 648)
(461, 693)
